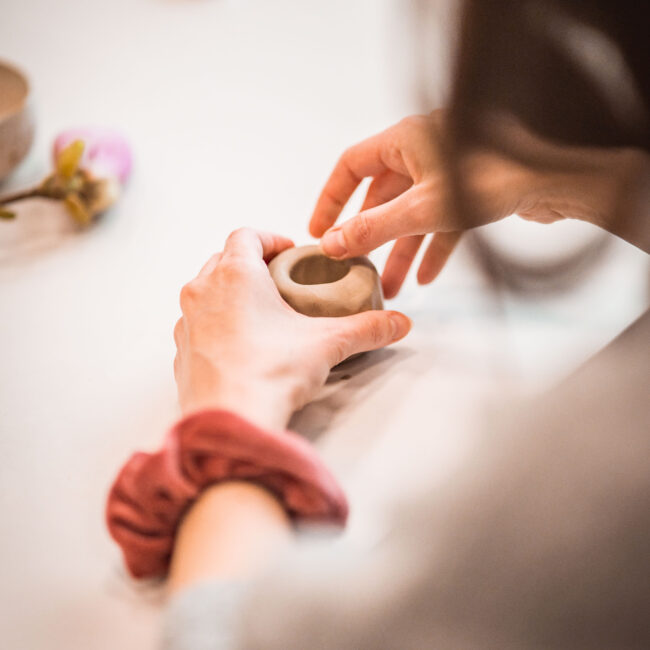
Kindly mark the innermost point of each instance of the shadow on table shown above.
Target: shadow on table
(344, 386)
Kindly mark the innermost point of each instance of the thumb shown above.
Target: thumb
(369, 330)
(408, 214)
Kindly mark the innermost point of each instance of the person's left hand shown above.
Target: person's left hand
(242, 348)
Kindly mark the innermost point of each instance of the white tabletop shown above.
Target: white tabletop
(236, 111)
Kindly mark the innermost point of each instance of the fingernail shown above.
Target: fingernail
(333, 243)
(401, 325)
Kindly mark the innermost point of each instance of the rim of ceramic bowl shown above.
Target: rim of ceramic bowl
(9, 111)
(360, 279)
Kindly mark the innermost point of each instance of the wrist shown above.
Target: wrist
(264, 403)
(627, 216)
(591, 185)
(153, 491)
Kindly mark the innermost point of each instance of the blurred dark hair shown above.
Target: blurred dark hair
(572, 71)
(576, 71)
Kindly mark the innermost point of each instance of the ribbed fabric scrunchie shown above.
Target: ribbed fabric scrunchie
(153, 491)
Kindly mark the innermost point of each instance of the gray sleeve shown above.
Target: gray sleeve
(539, 541)
(203, 617)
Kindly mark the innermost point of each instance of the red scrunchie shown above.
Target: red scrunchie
(153, 491)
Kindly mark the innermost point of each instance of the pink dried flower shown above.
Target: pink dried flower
(90, 166)
(107, 154)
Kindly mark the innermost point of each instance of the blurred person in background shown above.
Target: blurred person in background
(541, 541)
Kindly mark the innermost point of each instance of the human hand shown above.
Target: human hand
(410, 194)
(242, 348)
(405, 200)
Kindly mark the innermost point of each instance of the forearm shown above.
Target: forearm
(231, 532)
(631, 218)
(234, 527)
(613, 193)
(609, 188)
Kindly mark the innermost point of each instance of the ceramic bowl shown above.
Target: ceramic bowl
(16, 120)
(316, 285)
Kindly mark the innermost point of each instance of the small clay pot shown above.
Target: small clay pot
(16, 121)
(316, 285)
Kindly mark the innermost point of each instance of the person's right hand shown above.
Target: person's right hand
(410, 194)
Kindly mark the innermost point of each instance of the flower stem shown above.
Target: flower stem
(20, 196)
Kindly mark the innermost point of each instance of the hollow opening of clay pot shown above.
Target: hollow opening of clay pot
(318, 269)
(13, 90)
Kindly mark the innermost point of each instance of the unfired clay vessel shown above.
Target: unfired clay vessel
(16, 122)
(316, 285)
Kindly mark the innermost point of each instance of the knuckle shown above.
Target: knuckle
(230, 265)
(402, 257)
(392, 154)
(377, 331)
(332, 198)
(242, 231)
(346, 167)
(422, 212)
(406, 122)
(237, 237)
(178, 331)
(189, 295)
(336, 340)
(360, 230)
(414, 123)
(348, 152)
(235, 268)
(338, 350)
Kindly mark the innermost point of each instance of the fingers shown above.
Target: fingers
(437, 254)
(399, 262)
(368, 158)
(385, 188)
(411, 213)
(247, 242)
(369, 330)
(408, 149)
(403, 253)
